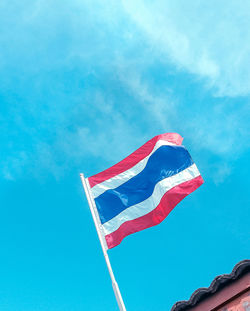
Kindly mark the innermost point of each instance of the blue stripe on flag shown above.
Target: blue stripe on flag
(164, 162)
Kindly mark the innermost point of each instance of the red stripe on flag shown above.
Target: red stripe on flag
(133, 158)
(167, 203)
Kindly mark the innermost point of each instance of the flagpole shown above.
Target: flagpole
(98, 227)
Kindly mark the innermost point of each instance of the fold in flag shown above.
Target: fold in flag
(141, 190)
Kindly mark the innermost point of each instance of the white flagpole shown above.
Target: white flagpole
(98, 226)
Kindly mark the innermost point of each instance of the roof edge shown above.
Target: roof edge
(217, 284)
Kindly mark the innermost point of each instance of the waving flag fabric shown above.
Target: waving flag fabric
(141, 190)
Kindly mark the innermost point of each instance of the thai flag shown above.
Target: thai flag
(141, 190)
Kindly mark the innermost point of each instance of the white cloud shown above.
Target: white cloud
(13, 165)
(158, 107)
(108, 57)
(207, 38)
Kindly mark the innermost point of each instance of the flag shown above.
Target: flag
(142, 189)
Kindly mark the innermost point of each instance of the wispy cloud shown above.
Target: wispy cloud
(88, 80)
(158, 106)
(209, 39)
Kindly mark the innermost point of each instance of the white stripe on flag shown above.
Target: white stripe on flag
(151, 203)
(120, 179)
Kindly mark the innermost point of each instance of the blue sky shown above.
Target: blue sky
(82, 85)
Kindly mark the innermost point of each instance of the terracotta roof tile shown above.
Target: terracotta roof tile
(221, 281)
